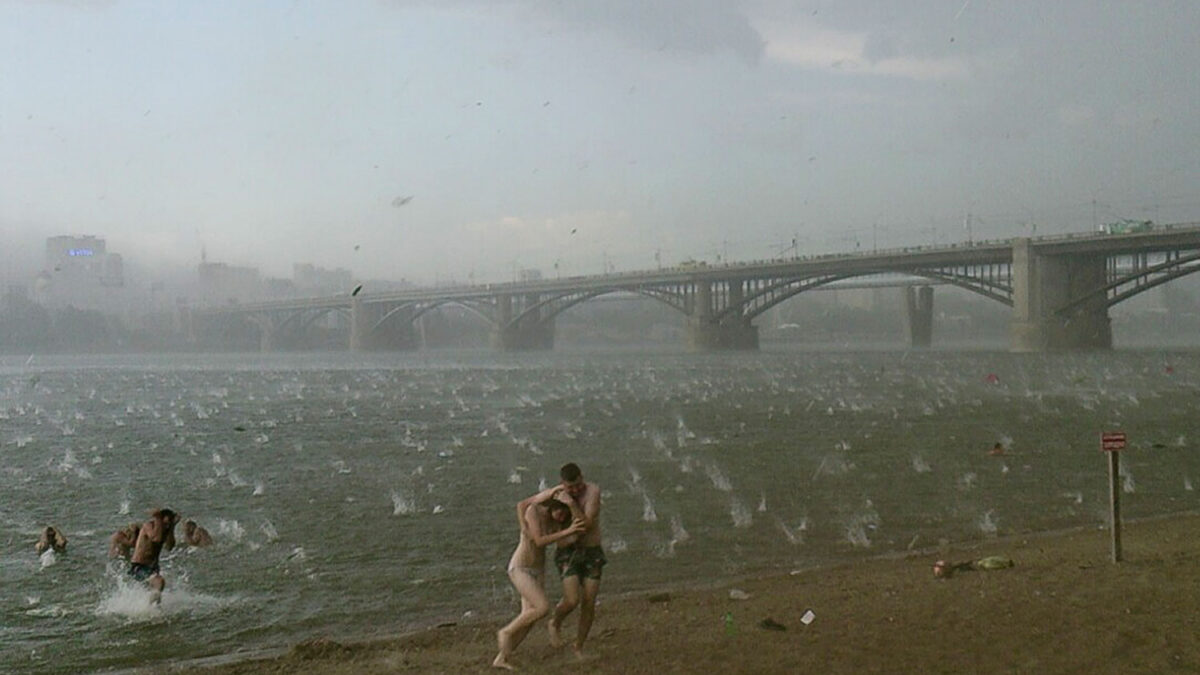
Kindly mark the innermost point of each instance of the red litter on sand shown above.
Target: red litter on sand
(992, 378)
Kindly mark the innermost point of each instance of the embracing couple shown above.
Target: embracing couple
(568, 516)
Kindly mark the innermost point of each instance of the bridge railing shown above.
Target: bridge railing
(526, 286)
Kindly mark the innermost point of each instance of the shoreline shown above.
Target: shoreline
(686, 631)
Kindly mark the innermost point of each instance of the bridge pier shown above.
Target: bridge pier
(1042, 284)
(917, 304)
(707, 333)
(527, 332)
(369, 331)
(266, 339)
(733, 336)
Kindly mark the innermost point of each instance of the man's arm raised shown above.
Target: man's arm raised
(524, 504)
(540, 540)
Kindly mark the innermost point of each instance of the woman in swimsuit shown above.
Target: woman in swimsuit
(544, 520)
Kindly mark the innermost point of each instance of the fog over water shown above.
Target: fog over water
(471, 138)
(360, 495)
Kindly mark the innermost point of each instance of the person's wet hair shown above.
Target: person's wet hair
(570, 472)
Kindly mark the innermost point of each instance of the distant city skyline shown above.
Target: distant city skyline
(469, 139)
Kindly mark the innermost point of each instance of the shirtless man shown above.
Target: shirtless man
(579, 564)
(155, 534)
(51, 539)
(194, 535)
(122, 541)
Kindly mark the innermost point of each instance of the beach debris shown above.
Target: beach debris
(808, 617)
(318, 648)
(239, 428)
(943, 569)
(738, 594)
(356, 291)
(728, 617)
(771, 624)
(401, 201)
(660, 597)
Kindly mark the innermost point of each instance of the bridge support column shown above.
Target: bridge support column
(1041, 285)
(918, 315)
(266, 340)
(706, 333)
(366, 334)
(528, 332)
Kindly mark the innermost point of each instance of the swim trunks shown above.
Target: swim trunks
(585, 562)
(142, 572)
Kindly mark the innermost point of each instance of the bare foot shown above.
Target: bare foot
(578, 650)
(555, 638)
(502, 662)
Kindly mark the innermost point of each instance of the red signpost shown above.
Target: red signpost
(1113, 442)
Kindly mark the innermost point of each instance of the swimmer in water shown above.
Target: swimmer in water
(544, 521)
(121, 543)
(194, 535)
(51, 539)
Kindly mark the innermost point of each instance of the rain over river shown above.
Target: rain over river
(353, 496)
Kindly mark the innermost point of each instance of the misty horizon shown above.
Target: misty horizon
(468, 140)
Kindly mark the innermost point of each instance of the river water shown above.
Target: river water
(355, 496)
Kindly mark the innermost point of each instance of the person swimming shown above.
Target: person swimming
(194, 535)
(121, 543)
(51, 539)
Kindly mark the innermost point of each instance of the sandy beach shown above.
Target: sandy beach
(1063, 608)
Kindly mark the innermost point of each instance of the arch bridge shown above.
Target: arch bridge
(1059, 289)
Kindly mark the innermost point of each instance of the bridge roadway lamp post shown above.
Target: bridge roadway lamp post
(1112, 443)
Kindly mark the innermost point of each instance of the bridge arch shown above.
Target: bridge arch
(1141, 280)
(561, 303)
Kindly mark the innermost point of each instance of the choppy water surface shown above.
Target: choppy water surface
(352, 496)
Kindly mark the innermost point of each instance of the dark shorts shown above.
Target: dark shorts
(585, 562)
(142, 572)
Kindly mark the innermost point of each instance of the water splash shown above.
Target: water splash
(718, 478)
(402, 504)
(920, 465)
(987, 524)
(739, 513)
(678, 533)
(648, 513)
(230, 529)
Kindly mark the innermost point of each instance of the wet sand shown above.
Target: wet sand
(1063, 608)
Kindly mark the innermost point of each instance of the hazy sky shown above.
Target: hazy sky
(530, 133)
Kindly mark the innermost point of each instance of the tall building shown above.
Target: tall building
(313, 280)
(80, 272)
(222, 283)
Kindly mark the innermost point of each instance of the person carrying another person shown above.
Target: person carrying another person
(580, 562)
(544, 519)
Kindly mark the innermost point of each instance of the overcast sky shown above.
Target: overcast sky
(443, 139)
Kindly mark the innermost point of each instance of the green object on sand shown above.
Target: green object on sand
(993, 562)
(728, 616)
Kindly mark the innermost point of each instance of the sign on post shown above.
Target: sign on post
(1112, 442)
